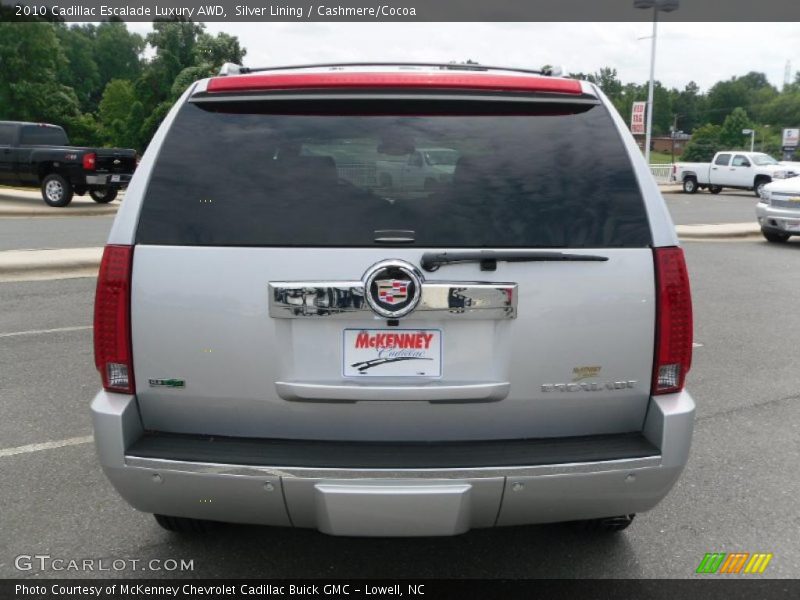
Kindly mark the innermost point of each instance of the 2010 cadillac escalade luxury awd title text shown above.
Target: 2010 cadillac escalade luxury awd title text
(287, 338)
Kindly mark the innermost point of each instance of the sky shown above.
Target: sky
(701, 52)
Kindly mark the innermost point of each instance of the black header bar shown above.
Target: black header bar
(397, 10)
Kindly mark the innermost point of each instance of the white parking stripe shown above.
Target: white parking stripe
(45, 446)
(41, 331)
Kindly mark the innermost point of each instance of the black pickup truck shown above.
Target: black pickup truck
(39, 154)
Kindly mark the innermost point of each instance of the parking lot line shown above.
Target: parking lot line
(41, 331)
(45, 446)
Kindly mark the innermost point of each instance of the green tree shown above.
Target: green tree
(31, 59)
(687, 106)
(703, 145)
(83, 130)
(115, 107)
(184, 54)
(784, 109)
(215, 51)
(662, 109)
(609, 82)
(136, 118)
(117, 53)
(80, 71)
(175, 43)
(731, 136)
(746, 92)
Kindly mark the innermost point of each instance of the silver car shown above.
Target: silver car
(778, 210)
(283, 343)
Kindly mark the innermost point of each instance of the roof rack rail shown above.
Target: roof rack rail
(548, 71)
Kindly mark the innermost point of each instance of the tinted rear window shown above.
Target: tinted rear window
(35, 135)
(7, 133)
(239, 176)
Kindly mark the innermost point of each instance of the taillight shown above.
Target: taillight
(89, 161)
(113, 355)
(674, 168)
(673, 356)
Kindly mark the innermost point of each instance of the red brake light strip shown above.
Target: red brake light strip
(506, 83)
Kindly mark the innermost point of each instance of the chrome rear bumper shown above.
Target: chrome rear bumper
(392, 501)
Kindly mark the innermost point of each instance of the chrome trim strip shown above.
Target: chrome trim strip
(485, 391)
(346, 300)
(159, 464)
(294, 300)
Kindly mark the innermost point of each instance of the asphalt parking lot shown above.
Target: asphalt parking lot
(738, 493)
(54, 232)
(704, 208)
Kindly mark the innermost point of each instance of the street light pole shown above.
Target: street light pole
(663, 6)
(648, 131)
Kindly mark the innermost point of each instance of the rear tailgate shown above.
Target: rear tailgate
(115, 160)
(201, 315)
(248, 303)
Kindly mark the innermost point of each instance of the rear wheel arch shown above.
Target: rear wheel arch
(759, 182)
(45, 169)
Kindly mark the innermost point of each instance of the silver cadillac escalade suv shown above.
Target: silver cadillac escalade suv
(286, 338)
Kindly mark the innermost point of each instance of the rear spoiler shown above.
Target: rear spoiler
(393, 81)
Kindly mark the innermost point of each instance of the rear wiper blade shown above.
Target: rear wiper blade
(488, 258)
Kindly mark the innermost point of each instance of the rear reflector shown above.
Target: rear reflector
(113, 355)
(673, 356)
(89, 161)
(505, 83)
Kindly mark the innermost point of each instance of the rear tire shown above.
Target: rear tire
(182, 524)
(56, 190)
(606, 524)
(103, 195)
(776, 237)
(690, 185)
(715, 189)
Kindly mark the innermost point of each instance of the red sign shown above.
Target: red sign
(637, 117)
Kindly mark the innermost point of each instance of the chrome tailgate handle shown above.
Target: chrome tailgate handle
(488, 391)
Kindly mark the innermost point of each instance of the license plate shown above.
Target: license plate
(114, 178)
(392, 353)
(792, 225)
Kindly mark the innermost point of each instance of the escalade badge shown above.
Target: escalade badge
(393, 288)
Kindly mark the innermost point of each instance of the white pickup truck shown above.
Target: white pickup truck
(732, 169)
(423, 169)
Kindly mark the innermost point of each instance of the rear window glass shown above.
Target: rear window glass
(35, 135)
(7, 134)
(239, 176)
